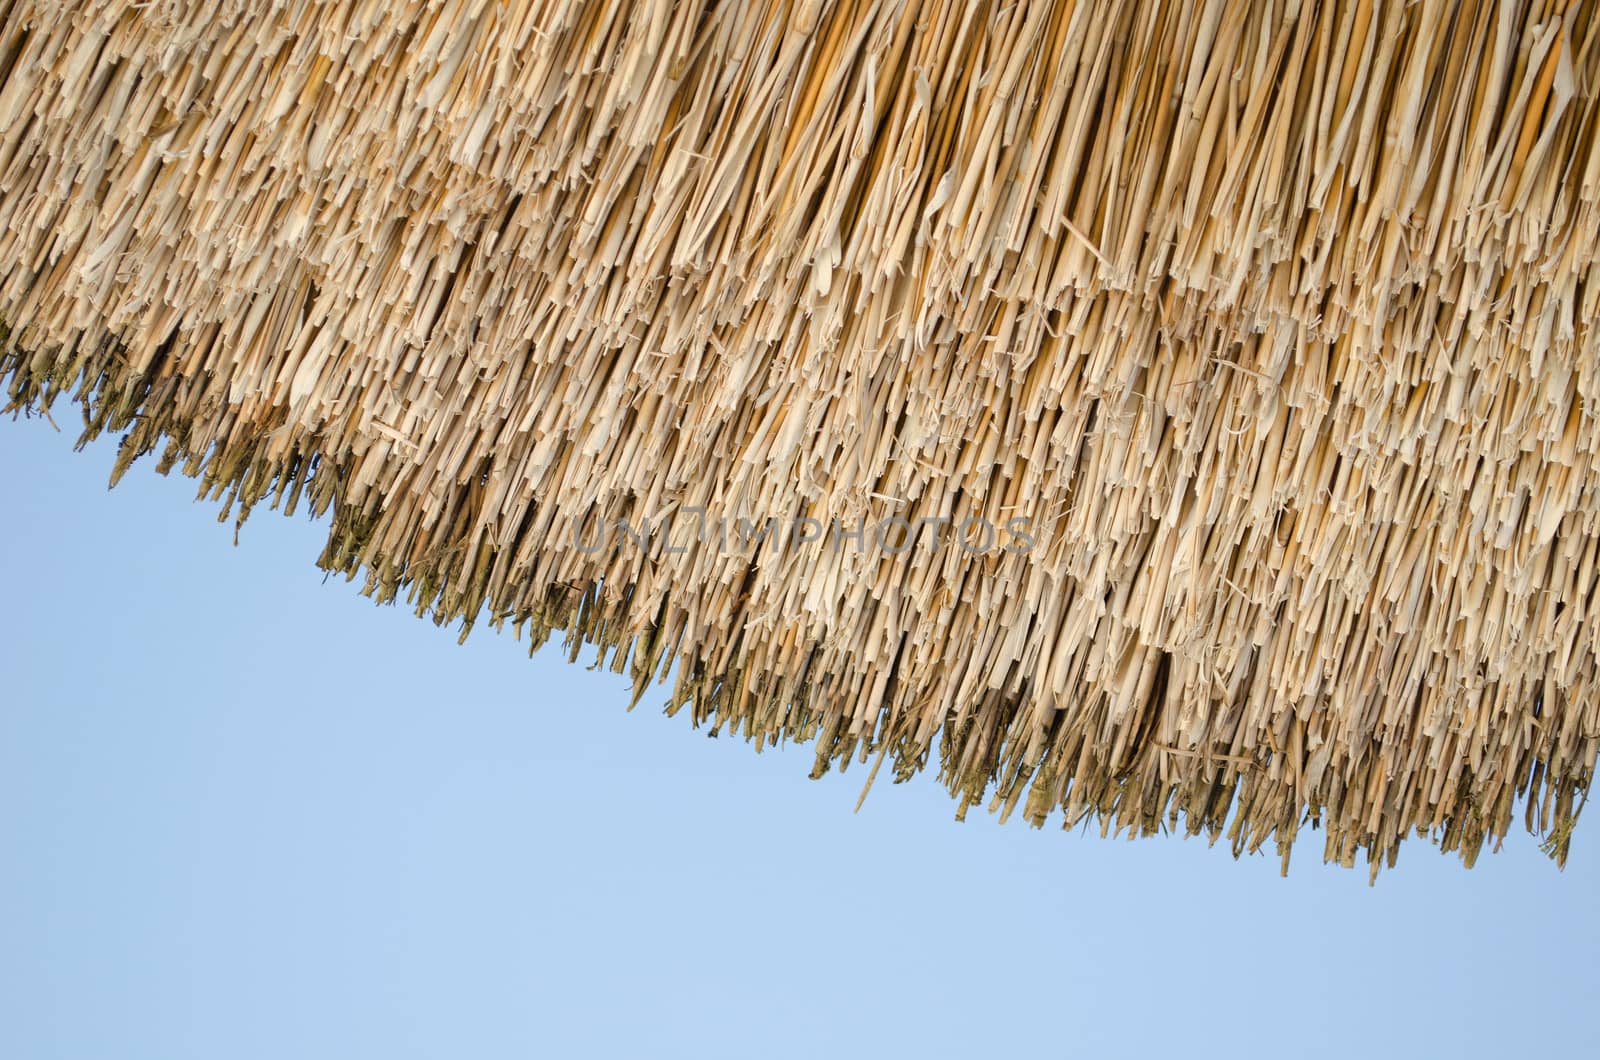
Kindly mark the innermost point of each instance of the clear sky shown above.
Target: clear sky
(244, 813)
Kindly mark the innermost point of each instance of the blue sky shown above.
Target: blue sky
(246, 813)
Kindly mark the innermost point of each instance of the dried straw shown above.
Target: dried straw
(1274, 319)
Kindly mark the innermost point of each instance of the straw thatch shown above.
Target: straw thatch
(1274, 323)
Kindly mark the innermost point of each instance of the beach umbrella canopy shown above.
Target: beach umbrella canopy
(1171, 415)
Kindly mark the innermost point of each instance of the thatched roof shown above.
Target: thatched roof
(1258, 336)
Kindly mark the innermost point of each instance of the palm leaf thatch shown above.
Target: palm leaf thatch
(1269, 325)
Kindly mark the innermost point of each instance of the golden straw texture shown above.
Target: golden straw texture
(1271, 325)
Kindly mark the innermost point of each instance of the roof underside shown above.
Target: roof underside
(1261, 334)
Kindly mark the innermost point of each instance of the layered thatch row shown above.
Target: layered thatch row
(1250, 347)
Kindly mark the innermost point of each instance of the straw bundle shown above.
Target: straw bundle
(1227, 373)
